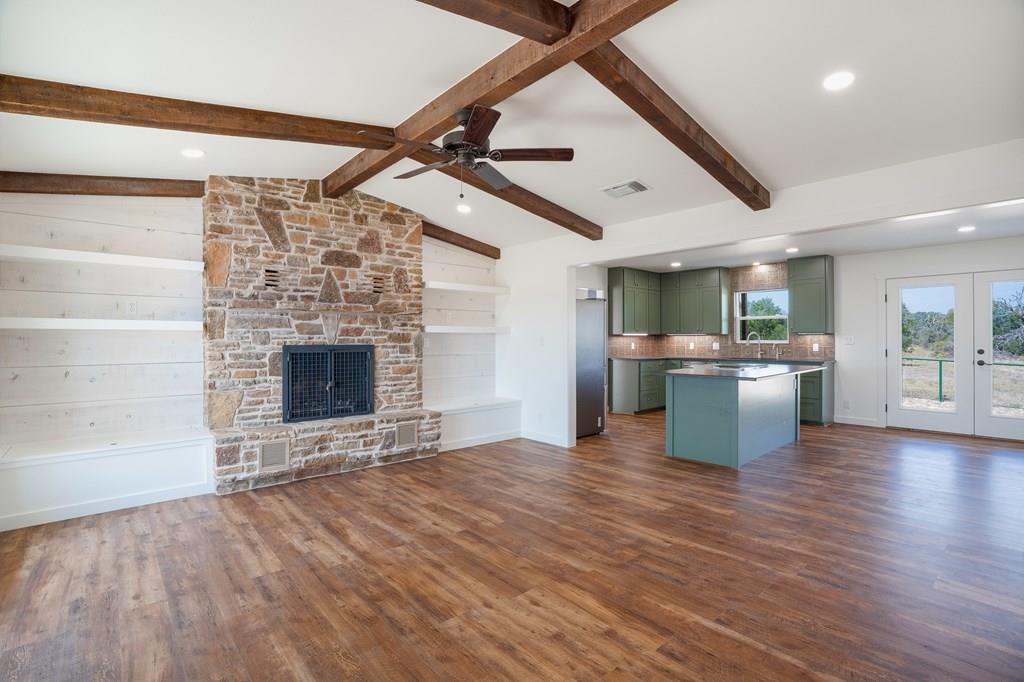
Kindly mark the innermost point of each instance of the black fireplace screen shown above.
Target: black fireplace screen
(321, 382)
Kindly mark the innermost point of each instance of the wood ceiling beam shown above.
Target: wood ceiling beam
(523, 198)
(61, 100)
(52, 183)
(544, 21)
(461, 240)
(526, 62)
(617, 72)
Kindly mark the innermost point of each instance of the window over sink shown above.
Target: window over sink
(764, 312)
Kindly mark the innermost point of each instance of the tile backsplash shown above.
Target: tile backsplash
(751, 278)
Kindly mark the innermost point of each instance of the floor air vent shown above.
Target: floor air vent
(625, 189)
(274, 456)
(405, 435)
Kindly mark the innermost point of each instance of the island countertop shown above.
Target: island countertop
(747, 373)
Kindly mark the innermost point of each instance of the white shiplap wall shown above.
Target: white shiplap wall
(119, 264)
(458, 369)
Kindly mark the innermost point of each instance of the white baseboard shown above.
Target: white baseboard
(476, 440)
(859, 421)
(72, 511)
(547, 438)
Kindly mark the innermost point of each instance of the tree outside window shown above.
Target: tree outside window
(764, 312)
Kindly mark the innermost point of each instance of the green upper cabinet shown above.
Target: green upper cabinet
(703, 302)
(811, 295)
(634, 301)
(687, 302)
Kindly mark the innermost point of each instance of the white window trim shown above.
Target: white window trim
(739, 318)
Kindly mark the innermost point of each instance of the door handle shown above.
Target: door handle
(981, 363)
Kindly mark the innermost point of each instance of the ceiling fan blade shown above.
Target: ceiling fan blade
(397, 140)
(491, 176)
(480, 124)
(532, 154)
(429, 167)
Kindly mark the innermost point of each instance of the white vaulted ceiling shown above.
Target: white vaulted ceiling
(933, 77)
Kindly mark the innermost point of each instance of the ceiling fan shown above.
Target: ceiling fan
(467, 148)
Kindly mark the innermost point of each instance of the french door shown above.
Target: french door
(999, 353)
(955, 353)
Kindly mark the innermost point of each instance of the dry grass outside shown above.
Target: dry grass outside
(920, 387)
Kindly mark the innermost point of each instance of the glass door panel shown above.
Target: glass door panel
(928, 337)
(999, 356)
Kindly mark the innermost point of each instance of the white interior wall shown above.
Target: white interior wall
(860, 312)
(536, 361)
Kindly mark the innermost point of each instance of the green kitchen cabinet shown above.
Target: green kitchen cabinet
(670, 320)
(689, 311)
(817, 396)
(634, 301)
(704, 301)
(811, 295)
(637, 385)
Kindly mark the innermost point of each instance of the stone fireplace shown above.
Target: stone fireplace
(285, 267)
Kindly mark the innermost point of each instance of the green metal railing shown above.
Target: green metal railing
(943, 361)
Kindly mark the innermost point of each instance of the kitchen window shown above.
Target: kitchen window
(764, 312)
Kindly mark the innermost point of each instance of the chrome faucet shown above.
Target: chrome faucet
(759, 353)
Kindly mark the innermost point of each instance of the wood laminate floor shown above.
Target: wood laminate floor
(855, 554)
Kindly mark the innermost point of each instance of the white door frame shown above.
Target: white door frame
(985, 423)
(960, 419)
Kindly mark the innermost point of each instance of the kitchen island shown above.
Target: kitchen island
(732, 413)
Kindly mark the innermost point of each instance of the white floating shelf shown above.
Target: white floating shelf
(13, 252)
(459, 286)
(452, 329)
(71, 323)
(476, 404)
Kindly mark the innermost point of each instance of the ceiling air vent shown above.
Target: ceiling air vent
(625, 189)
(271, 278)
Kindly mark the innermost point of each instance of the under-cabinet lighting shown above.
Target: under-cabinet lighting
(633, 334)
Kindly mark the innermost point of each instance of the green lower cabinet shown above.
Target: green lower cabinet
(817, 391)
(637, 385)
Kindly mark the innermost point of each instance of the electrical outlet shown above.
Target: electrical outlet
(715, 345)
(632, 345)
(692, 345)
(849, 340)
(815, 347)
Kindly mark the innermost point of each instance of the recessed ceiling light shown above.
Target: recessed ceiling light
(918, 216)
(193, 153)
(840, 80)
(583, 265)
(966, 228)
(1009, 202)
(676, 264)
(792, 249)
(756, 263)
(464, 208)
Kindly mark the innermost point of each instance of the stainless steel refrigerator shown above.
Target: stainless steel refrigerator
(591, 363)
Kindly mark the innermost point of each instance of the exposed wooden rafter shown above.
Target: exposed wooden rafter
(523, 198)
(525, 63)
(544, 21)
(461, 240)
(609, 65)
(52, 183)
(61, 100)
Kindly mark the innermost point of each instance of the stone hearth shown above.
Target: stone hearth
(284, 266)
